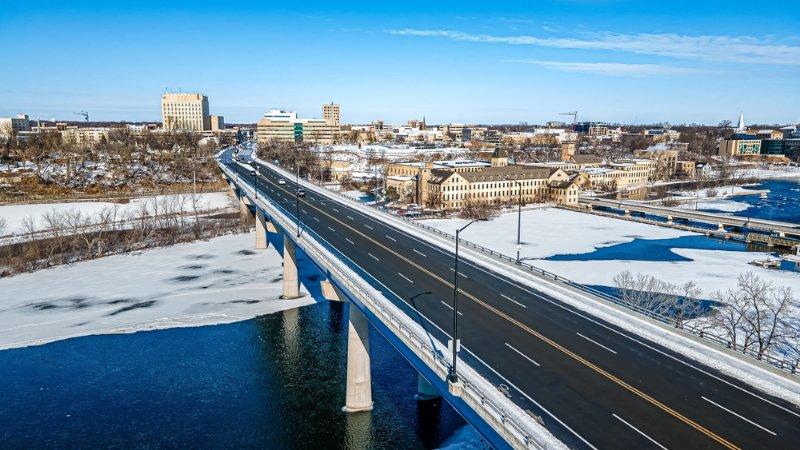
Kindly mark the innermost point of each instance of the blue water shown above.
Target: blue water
(276, 381)
(782, 202)
(652, 249)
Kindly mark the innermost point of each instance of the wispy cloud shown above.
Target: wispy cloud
(741, 49)
(611, 69)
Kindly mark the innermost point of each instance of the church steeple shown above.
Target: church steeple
(741, 127)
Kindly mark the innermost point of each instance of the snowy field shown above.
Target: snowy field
(217, 281)
(551, 231)
(15, 214)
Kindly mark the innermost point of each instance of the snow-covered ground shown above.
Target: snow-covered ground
(217, 281)
(15, 214)
(551, 231)
(389, 151)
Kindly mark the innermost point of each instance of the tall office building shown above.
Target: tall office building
(185, 112)
(330, 112)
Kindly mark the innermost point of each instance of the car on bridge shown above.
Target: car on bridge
(301, 192)
(281, 181)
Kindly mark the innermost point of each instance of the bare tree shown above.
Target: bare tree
(757, 315)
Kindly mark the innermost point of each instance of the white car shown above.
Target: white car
(281, 181)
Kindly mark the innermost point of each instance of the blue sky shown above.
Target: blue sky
(488, 62)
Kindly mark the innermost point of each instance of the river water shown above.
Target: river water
(276, 381)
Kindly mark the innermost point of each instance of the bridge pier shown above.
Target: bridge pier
(425, 390)
(669, 220)
(627, 213)
(291, 281)
(244, 210)
(261, 230)
(359, 380)
(720, 227)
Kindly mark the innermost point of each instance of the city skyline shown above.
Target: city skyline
(612, 61)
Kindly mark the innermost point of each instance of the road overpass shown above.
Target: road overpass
(591, 383)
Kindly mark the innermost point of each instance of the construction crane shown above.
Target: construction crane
(84, 114)
(574, 115)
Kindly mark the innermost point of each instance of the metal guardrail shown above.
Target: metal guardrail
(500, 416)
(776, 361)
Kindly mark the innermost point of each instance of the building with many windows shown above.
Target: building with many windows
(284, 126)
(185, 112)
(740, 144)
(330, 113)
(13, 125)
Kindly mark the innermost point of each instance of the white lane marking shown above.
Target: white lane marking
(389, 237)
(350, 217)
(348, 240)
(373, 257)
(407, 279)
(492, 369)
(304, 211)
(522, 354)
(460, 273)
(420, 253)
(596, 343)
(512, 300)
(331, 229)
(640, 432)
(451, 308)
(369, 227)
(315, 219)
(578, 312)
(334, 209)
(322, 203)
(739, 416)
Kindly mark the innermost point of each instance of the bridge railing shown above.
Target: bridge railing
(790, 366)
(519, 428)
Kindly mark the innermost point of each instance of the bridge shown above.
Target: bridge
(528, 361)
(780, 229)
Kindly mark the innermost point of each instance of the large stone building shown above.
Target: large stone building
(330, 113)
(462, 185)
(284, 126)
(185, 112)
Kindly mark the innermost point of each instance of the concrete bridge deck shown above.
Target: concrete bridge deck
(593, 384)
(766, 226)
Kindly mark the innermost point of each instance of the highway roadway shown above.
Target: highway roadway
(593, 384)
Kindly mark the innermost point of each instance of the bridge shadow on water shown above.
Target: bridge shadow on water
(276, 381)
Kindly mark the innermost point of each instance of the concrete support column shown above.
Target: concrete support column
(669, 220)
(721, 227)
(627, 213)
(425, 390)
(359, 381)
(261, 230)
(291, 282)
(243, 209)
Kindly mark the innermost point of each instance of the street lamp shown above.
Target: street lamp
(453, 376)
(296, 189)
(254, 173)
(519, 214)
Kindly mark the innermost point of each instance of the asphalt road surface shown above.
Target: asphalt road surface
(593, 384)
